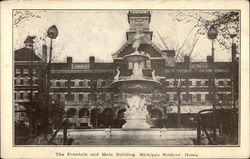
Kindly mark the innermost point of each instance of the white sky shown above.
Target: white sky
(100, 33)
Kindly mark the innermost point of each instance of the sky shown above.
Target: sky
(100, 33)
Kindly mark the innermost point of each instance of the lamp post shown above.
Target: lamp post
(29, 41)
(212, 34)
(52, 33)
(233, 51)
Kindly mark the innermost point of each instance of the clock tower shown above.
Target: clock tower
(139, 20)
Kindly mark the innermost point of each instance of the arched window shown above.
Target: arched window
(71, 113)
(156, 114)
(120, 114)
(83, 113)
(107, 117)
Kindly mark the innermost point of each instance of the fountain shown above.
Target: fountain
(136, 114)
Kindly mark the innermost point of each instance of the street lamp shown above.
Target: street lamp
(212, 34)
(233, 34)
(52, 33)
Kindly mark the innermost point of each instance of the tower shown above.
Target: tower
(139, 20)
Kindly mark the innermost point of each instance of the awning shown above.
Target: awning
(190, 109)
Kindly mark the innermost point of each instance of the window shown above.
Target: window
(21, 82)
(198, 83)
(25, 71)
(167, 83)
(190, 97)
(167, 97)
(21, 96)
(175, 97)
(148, 64)
(198, 97)
(36, 94)
(72, 83)
(34, 71)
(207, 97)
(50, 97)
(70, 97)
(15, 96)
(175, 83)
(190, 83)
(81, 83)
(103, 84)
(92, 97)
(28, 96)
(58, 97)
(107, 96)
(229, 83)
(89, 97)
(25, 81)
(66, 83)
(229, 96)
(206, 83)
(28, 81)
(221, 96)
(18, 71)
(187, 97)
(221, 83)
(58, 84)
(183, 83)
(85, 83)
(14, 81)
(36, 81)
(80, 97)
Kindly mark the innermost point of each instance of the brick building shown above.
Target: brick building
(82, 89)
(26, 70)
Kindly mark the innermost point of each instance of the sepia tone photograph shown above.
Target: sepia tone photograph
(129, 77)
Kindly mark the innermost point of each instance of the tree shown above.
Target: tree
(180, 72)
(22, 16)
(225, 21)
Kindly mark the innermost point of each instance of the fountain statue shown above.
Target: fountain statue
(116, 78)
(136, 114)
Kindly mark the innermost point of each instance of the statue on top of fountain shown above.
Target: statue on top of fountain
(116, 78)
(137, 38)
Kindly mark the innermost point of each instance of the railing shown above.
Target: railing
(66, 141)
(201, 126)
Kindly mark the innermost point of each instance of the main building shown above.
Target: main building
(82, 90)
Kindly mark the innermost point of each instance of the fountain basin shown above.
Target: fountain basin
(136, 57)
(145, 137)
(130, 85)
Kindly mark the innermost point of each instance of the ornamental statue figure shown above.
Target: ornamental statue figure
(137, 38)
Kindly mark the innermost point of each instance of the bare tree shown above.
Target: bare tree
(21, 16)
(224, 21)
(181, 72)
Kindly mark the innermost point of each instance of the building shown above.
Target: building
(26, 70)
(83, 89)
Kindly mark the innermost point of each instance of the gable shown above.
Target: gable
(25, 54)
(146, 46)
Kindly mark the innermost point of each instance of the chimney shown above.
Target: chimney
(169, 53)
(209, 61)
(45, 53)
(69, 62)
(186, 59)
(91, 61)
